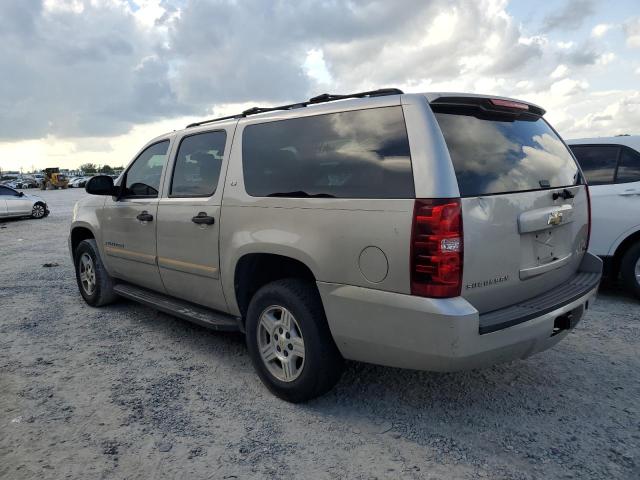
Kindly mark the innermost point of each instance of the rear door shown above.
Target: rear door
(189, 219)
(613, 173)
(129, 223)
(524, 205)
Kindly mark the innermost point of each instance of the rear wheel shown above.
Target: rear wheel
(630, 269)
(38, 210)
(289, 341)
(94, 283)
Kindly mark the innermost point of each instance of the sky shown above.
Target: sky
(93, 80)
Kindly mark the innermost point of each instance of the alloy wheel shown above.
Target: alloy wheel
(38, 211)
(87, 274)
(281, 343)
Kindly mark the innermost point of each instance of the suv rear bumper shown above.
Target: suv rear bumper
(405, 331)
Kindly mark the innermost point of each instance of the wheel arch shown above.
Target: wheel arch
(78, 234)
(254, 270)
(622, 247)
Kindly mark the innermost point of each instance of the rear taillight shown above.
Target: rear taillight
(588, 217)
(436, 248)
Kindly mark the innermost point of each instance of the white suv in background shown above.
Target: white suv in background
(612, 168)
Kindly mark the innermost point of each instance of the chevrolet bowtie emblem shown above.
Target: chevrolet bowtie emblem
(555, 218)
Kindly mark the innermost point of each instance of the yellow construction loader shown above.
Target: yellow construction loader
(53, 179)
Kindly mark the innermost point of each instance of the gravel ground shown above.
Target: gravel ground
(127, 392)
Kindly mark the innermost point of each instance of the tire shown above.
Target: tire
(299, 305)
(630, 269)
(96, 286)
(39, 210)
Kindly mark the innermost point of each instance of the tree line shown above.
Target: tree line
(93, 168)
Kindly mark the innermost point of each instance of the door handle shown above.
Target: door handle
(629, 193)
(203, 219)
(145, 216)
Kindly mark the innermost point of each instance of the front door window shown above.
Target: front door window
(143, 177)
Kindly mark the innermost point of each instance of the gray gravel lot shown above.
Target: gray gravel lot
(127, 392)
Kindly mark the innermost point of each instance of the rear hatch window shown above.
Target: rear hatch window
(504, 155)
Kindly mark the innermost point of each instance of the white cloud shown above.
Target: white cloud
(441, 29)
(606, 113)
(568, 87)
(600, 30)
(75, 6)
(316, 68)
(560, 72)
(606, 58)
(632, 32)
(565, 45)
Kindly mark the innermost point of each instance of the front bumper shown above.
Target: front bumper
(406, 331)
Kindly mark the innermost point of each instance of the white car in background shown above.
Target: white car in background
(79, 182)
(612, 168)
(20, 204)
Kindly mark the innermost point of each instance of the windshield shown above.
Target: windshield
(492, 156)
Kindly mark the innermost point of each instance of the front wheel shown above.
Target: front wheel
(630, 269)
(289, 341)
(39, 210)
(94, 283)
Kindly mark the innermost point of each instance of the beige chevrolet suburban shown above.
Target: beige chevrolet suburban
(427, 231)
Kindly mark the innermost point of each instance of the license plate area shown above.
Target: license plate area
(544, 246)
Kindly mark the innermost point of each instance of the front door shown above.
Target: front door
(14, 204)
(129, 223)
(189, 220)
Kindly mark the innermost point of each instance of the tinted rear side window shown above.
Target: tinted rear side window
(360, 154)
(198, 162)
(492, 156)
(629, 168)
(598, 162)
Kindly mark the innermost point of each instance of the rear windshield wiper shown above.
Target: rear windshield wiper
(301, 194)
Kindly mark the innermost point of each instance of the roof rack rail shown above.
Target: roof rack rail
(323, 98)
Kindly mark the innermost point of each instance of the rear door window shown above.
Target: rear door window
(598, 162)
(493, 156)
(358, 154)
(629, 166)
(197, 166)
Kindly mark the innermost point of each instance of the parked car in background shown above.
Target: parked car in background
(612, 168)
(425, 231)
(26, 182)
(78, 182)
(20, 204)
